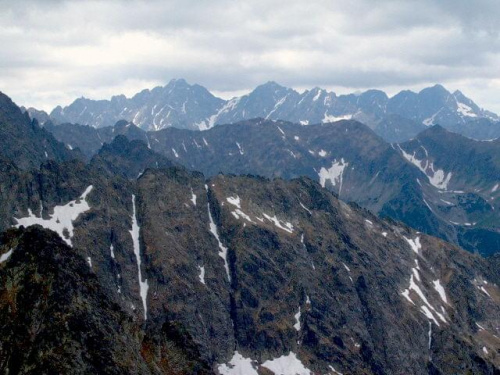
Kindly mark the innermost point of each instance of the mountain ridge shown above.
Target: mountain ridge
(182, 105)
(348, 158)
(182, 273)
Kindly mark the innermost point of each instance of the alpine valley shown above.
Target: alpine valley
(289, 237)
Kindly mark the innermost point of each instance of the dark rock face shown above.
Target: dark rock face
(41, 116)
(165, 271)
(481, 128)
(24, 142)
(187, 106)
(270, 269)
(467, 173)
(56, 318)
(89, 140)
(348, 158)
(395, 128)
(128, 158)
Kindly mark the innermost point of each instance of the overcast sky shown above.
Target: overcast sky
(53, 51)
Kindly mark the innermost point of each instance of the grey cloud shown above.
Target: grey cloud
(95, 47)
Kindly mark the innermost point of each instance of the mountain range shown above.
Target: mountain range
(185, 106)
(174, 273)
(440, 183)
(233, 250)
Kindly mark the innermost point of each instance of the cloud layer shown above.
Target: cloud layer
(54, 51)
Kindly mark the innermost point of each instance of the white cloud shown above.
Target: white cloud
(55, 51)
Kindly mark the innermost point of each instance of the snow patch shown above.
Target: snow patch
(6, 255)
(335, 174)
(430, 334)
(237, 213)
(297, 320)
(222, 248)
(230, 105)
(235, 201)
(427, 307)
(322, 153)
(415, 244)
(143, 285)
(193, 197)
(482, 289)
(305, 208)
(175, 153)
(465, 110)
(277, 105)
(335, 371)
(61, 221)
(238, 365)
(425, 310)
(240, 149)
(439, 288)
(437, 178)
(317, 96)
(288, 227)
(287, 365)
(201, 276)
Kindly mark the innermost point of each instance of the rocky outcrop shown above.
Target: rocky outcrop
(24, 142)
(56, 317)
(261, 273)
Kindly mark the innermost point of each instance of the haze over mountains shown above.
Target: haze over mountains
(185, 106)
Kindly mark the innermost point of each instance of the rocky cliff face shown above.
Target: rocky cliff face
(89, 140)
(466, 176)
(57, 318)
(348, 158)
(259, 274)
(24, 142)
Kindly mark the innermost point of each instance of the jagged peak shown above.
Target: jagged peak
(270, 85)
(437, 88)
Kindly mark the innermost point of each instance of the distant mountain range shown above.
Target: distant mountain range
(193, 107)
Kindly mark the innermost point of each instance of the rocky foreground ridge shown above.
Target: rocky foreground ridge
(229, 274)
